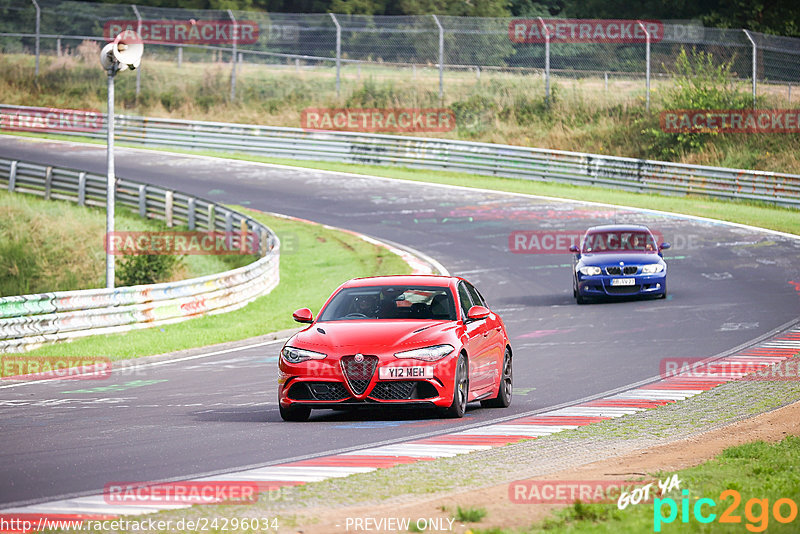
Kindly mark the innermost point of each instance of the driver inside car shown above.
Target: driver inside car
(367, 305)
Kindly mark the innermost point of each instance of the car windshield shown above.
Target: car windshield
(390, 302)
(619, 241)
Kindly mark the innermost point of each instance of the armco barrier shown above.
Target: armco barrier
(440, 154)
(28, 321)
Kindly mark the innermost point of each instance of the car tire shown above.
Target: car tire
(580, 299)
(294, 413)
(664, 294)
(458, 407)
(506, 389)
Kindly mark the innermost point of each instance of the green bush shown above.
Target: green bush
(470, 515)
(699, 84)
(146, 269)
(475, 114)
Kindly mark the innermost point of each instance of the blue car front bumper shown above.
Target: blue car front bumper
(601, 285)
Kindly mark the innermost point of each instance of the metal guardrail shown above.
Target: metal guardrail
(577, 168)
(29, 321)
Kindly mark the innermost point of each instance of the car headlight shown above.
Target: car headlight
(652, 268)
(428, 354)
(295, 355)
(589, 271)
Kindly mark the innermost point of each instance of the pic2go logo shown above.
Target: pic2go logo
(756, 511)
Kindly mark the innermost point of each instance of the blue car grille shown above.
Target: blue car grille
(623, 290)
(617, 270)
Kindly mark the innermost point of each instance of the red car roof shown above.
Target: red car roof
(406, 279)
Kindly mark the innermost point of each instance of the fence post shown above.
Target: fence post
(190, 206)
(338, 53)
(228, 224)
(48, 182)
(138, 31)
(58, 47)
(38, 28)
(441, 57)
(263, 242)
(12, 176)
(233, 57)
(143, 201)
(243, 241)
(212, 216)
(755, 60)
(82, 189)
(180, 56)
(546, 62)
(647, 60)
(169, 201)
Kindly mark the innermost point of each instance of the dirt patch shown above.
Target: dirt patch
(435, 513)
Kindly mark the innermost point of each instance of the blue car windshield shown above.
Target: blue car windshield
(390, 302)
(619, 241)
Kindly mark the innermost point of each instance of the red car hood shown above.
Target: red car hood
(374, 336)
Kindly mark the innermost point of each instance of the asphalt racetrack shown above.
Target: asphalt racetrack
(727, 287)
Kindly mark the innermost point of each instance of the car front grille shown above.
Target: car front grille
(403, 390)
(359, 374)
(393, 390)
(322, 391)
(623, 290)
(616, 270)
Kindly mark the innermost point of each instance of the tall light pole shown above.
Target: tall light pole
(124, 53)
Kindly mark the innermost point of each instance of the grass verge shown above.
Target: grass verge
(746, 480)
(51, 245)
(321, 260)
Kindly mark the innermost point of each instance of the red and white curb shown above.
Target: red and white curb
(665, 391)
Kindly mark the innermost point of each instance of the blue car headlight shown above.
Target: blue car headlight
(589, 271)
(652, 268)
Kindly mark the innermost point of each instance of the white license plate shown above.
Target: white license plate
(623, 281)
(397, 373)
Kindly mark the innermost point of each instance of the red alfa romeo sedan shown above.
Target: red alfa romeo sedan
(414, 340)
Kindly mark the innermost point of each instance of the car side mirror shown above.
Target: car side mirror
(478, 312)
(664, 246)
(303, 315)
(574, 248)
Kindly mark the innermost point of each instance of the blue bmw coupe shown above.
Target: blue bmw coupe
(618, 260)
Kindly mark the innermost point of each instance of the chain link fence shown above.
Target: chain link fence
(437, 48)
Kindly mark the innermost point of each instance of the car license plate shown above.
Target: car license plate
(623, 281)
(397, 373)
